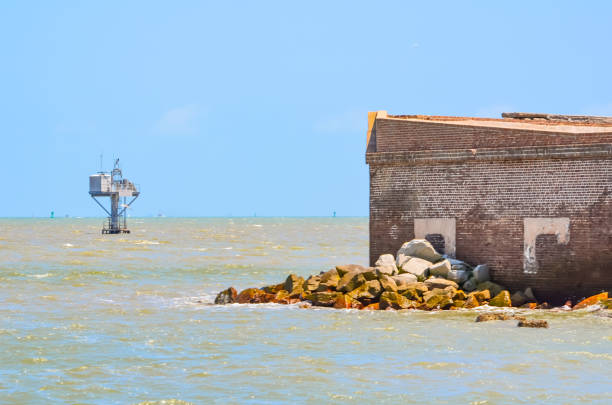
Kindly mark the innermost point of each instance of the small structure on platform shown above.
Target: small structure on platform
(113, 185)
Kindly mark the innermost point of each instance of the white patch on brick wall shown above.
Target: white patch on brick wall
(394, 232)
(447, 227)
(542, 226)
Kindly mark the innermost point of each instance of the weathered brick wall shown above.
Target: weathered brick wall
(393, 135)
(491, 196)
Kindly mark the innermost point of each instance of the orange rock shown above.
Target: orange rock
(373, 307)
(254, 296)
(592, 300)
(533, 305)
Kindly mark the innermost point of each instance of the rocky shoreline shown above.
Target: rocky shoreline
(417, 278)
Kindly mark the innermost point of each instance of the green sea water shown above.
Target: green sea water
(93, 319)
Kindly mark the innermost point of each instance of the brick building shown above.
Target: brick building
(528, 194)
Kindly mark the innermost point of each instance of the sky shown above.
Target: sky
(260, 108)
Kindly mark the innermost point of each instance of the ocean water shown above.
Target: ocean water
(92, 319)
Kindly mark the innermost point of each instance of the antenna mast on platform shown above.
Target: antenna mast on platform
(113, 185)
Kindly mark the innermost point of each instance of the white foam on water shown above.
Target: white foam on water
(45, 275)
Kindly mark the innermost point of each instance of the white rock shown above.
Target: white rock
(386, 264)
(458, 276)
(420, 248)
(418, 267)
(440, 269)
(403, 279)
(481, 273)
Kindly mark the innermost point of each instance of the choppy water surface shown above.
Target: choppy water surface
(86, 318)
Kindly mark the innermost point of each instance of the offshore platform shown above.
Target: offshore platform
(119, 190)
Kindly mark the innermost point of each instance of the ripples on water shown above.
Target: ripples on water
(116, 319)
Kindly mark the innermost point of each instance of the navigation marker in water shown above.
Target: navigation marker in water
(113, 185)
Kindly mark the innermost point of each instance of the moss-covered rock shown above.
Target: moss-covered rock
(533, 323)
(387, 283)
(458, 303)
(471, 302)
(438, 298)
(273, 289)
(311, 283)
(329, 280)
(228, 296)
(393, 300)
(293, 282)
(351, 281)
(494, 288)
(323, 299)
(347, 268)
(482, 296)
(460, 295)
(345, 301)
(501, 300)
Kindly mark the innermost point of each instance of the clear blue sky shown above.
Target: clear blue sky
(236, 108)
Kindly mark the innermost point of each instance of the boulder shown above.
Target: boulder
(458, 276)
(228, 296)
(372, 307)
(418, 267)
(394, 300)
(530, 295)
(437, 299)
(414, 291)
(329, 280)
(518, 298)
(401, 260)
(592, 300)
(491, 286)
(460, 295)
(471, 302)
(532, 323)
(281, 297)
(323, 299)
(369, 291)
(481, 296)
(457, 264)
(387, 283)
(458, 304)
(493, 317)
(254, 296)
(440, 269)
(481, 273)
(312, 283)
(273, 289)
(470, 284)
(344, 301)
(420, 248)
(350, 281)
(342, 270)
(371, 273)
(501, 300)
(293, 282)
(386, 264)
(434, 282)
(401, 280)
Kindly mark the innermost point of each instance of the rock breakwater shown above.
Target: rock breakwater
(418, 277)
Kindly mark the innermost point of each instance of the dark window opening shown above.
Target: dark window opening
(437, 241)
